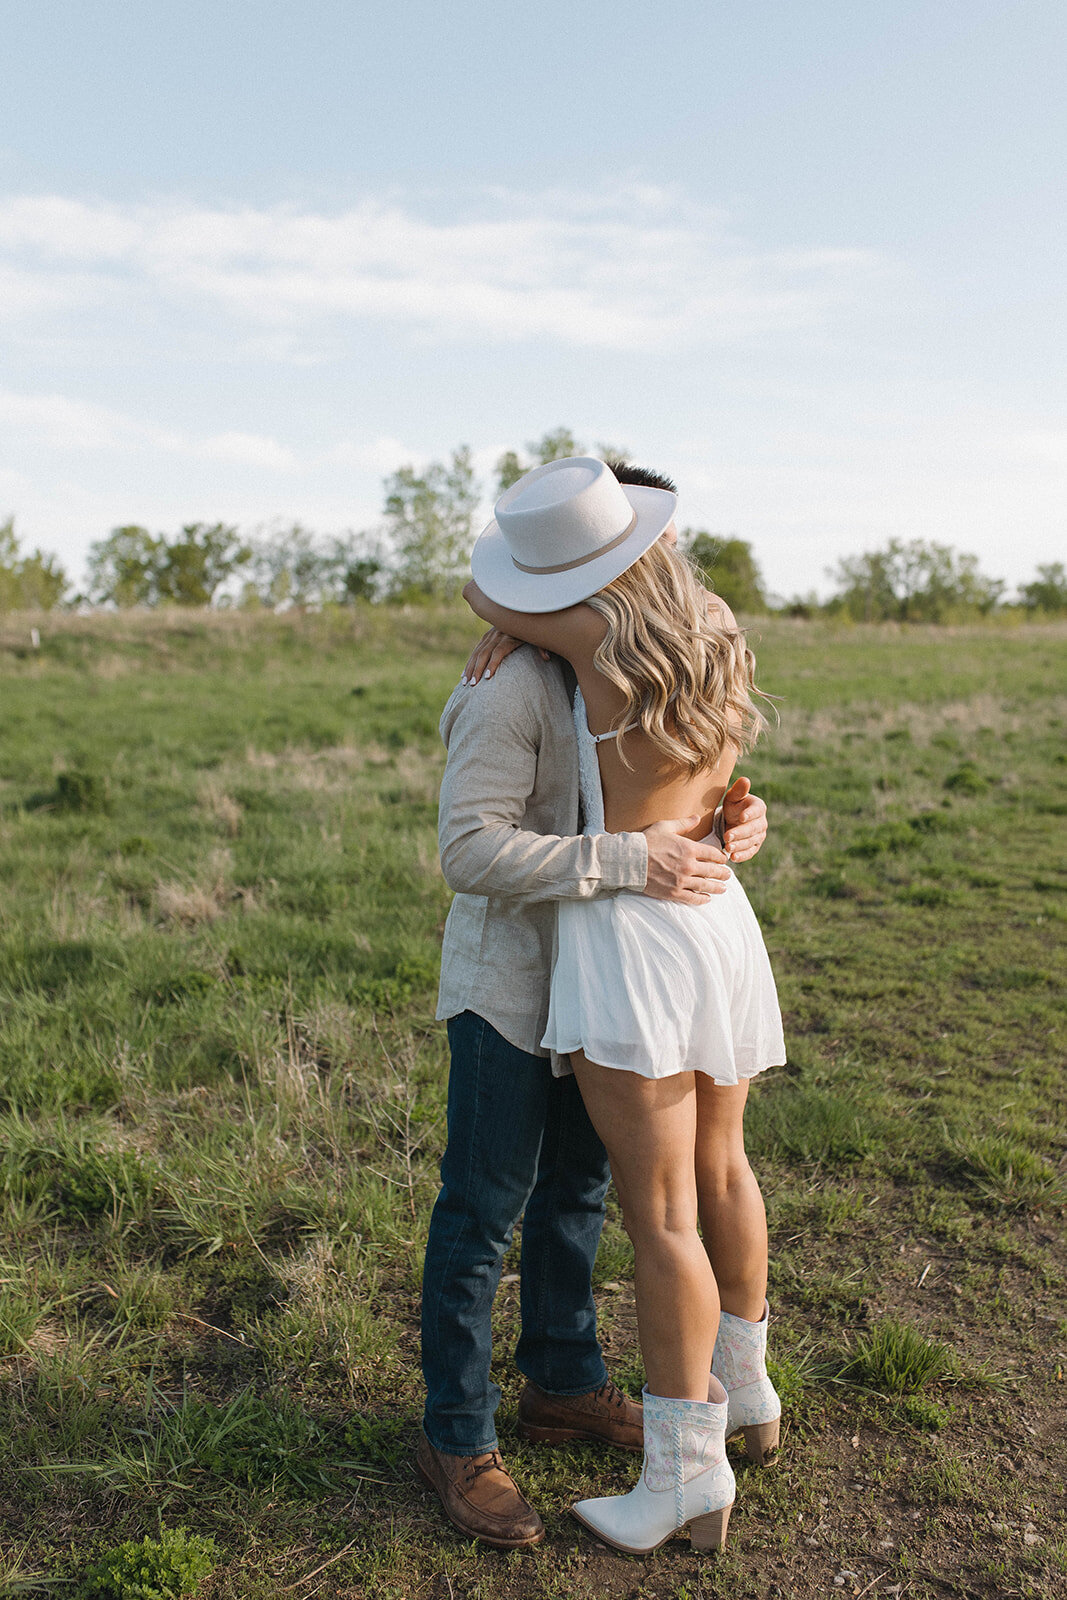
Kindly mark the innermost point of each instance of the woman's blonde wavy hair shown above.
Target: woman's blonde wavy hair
(688, 680)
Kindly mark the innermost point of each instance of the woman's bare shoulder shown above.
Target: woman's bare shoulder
(719, 613)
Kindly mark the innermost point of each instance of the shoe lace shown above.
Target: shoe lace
(475, 1468)
(609, 1394)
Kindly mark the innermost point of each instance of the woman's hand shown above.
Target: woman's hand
(744, 821)
(493, 648)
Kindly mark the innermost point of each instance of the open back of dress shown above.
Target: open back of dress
(656, 988)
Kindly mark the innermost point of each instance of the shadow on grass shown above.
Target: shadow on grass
(812, 1125)
(169, 1450)
(1005, 1174)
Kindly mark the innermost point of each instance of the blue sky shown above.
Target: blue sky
(808, 258)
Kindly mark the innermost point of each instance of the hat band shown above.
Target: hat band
(579, 561)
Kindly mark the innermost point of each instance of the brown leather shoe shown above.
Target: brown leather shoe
(606, 1415)
(480, 1498)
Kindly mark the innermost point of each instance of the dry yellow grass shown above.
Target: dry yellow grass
(221, 807)
(201, 900)
(298, 767)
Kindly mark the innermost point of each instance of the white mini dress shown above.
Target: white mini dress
(654, 987)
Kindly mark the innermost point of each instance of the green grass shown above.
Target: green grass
(153, 1569)
(895, 1358)
(1007, 1173)
(222, 1105)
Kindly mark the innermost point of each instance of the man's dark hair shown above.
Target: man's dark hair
(644, 476)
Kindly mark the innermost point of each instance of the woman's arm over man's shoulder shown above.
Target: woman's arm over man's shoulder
(573, 633)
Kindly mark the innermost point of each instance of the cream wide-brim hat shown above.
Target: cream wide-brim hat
(565, 530)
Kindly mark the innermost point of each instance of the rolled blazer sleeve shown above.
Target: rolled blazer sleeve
(493, 739)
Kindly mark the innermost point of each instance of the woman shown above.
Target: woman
(665, 1011)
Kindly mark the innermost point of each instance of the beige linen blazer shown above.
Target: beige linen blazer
(510, 846)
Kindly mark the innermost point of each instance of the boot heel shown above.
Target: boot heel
(709, 1532)
(761, 1441)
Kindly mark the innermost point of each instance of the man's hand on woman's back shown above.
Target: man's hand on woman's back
(686, 870)
(692, 870)
(680, 869)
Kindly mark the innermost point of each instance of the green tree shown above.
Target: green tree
(430, 517)
(360, 567)
(297, 567)
(915, 582)
(10, 593)
(866, 586)
(509, 469)
(195, 566)
(1047, 593)
(556, 445)
(728, 567)
(362, 579)
(42, 582)
(124, 568)
(27, 583)
(290, 566)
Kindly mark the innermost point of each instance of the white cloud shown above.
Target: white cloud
(819, 432)
(15, 489)
(248, 450)
(638, 268)
(60, 423)
(375, 455)
(1049, 446)
(809, 497)
(57, 421)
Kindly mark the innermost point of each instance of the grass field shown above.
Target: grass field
(221, 1108)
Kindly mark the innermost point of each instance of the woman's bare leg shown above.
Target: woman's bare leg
(649, 1129)
(732, 1217)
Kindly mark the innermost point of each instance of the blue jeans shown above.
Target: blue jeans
(517, 1137)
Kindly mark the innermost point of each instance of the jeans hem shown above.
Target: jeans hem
(568, 1394)
(451, 1449)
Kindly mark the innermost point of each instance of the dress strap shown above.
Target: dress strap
(613, 733)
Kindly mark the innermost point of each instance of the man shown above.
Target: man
(519, 1140)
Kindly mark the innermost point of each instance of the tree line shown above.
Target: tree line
(420, 552)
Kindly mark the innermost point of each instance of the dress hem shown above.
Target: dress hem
(723, 1083)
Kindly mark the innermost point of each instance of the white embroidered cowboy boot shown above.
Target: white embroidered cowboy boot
(740, 1365)
(686, 1480)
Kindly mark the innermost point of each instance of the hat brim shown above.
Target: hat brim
(498, 577)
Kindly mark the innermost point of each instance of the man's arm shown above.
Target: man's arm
(493, 739)
(740, 822)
